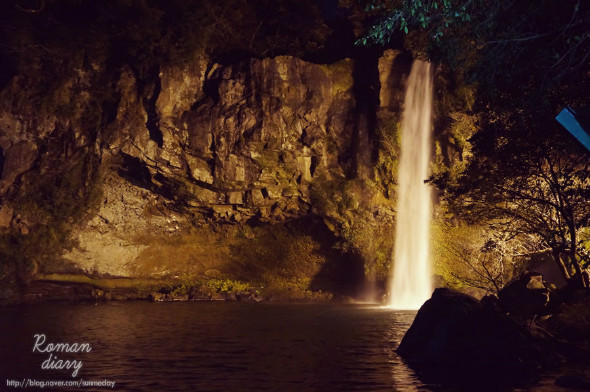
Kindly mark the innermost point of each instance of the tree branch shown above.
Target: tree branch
(29, 10)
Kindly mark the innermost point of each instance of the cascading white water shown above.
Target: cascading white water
(411, 283)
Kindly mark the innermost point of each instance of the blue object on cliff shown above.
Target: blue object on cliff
(570, 121)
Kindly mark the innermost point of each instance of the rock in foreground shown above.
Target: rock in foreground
(458, 330)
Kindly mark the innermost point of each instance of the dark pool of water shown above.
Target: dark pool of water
(213, 346)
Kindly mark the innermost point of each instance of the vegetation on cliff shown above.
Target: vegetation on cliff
(130, 128)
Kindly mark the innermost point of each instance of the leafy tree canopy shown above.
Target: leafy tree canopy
(504, 44)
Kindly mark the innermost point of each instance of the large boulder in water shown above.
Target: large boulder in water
(458, 330)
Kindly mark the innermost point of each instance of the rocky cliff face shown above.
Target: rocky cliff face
(245, 171)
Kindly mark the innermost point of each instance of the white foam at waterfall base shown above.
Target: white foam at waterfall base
(411, 281)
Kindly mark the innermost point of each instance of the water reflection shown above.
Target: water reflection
(216, 346)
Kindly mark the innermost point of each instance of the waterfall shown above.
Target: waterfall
(411, 282)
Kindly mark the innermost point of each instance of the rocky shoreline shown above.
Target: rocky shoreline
(74, 288)
(456, 336)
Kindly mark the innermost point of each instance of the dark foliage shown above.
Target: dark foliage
(502, 45)
(55, 35)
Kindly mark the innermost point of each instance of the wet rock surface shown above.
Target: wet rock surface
(525, 297)
(454, 328)
(457, 339)
(185, 164)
